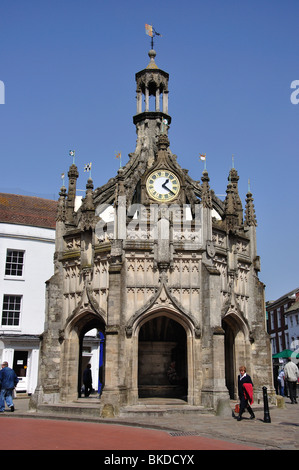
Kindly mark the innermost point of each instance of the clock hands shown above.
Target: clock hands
(162, 185)
(165, 187)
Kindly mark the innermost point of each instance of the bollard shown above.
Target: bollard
(267, 418)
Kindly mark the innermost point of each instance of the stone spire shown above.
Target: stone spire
(234, 178)
(73, 175)
(88, 209)
(88, 200)
(60, 224)
(233, 212)
(230, 212)
(250, 217)
(60, 216)
(206, 198)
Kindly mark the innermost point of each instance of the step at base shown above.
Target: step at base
(92, 407)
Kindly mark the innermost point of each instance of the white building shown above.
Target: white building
(27, 245)
(292, 320)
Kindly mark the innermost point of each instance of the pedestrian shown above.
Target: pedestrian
(291, 376)
(281, 382)
(8, 381)
(87, 380)
(245, 391)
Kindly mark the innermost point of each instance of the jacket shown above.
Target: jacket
(291, 372)
(8, 378)
(87, 377)
(248, 392)
(246, 379)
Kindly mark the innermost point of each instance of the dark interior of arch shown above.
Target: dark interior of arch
(162, 342)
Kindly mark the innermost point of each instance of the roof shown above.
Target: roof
(27, 210)
(293, 307)
(270, 304)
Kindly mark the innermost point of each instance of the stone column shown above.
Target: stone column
(213, 352)
(157, 99)
(165, 102)
(139, 101)
(146, 100)
(112, 392)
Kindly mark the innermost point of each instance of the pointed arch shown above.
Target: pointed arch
(163, 299)
(237, 321)
(169, 331)
(77, 325)
(235, 347)
(84, 320)
(162, 339)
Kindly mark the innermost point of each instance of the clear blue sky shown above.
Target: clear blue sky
(69, 67)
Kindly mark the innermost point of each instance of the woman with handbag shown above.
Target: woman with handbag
(245, 390)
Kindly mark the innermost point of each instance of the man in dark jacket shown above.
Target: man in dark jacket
(245, 390)
(87, 380)
(8, 381)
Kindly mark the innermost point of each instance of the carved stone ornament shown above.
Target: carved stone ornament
(210, 249)
(163, 298)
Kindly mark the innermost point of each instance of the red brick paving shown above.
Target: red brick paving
(43, 434)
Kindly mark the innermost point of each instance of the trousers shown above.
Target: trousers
(292, 391)
(245, 405)
(6, 396)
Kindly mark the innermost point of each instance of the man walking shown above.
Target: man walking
(291, 376)
(8, 381)
(87, 380)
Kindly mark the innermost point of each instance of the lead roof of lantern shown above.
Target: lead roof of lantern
(152, 74)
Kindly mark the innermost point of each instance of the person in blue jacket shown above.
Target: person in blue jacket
(8, 381)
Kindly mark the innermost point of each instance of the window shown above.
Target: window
(272, 320)
(11, 310)
(14, 263)
(280, 342)
(273, 342)
(287, 340)
(279, 317)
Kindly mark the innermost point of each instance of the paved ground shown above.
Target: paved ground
(25, 429)
(41, 434)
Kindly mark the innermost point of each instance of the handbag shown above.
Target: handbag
(237, 408)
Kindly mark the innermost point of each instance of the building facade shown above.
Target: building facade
(27, 244)
(165, 270)
(283, 321)
(292, 320)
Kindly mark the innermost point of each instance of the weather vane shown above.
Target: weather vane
(87, 168)
(118, 156)
(203, 158)
(72, 154)
(150, 31)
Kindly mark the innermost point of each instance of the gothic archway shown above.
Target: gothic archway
(92, 351)
(162, 341)
(72, 352)
(235, 349)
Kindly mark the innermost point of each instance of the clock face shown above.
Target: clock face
(163, 185)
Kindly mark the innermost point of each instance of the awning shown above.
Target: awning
(286, 353)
